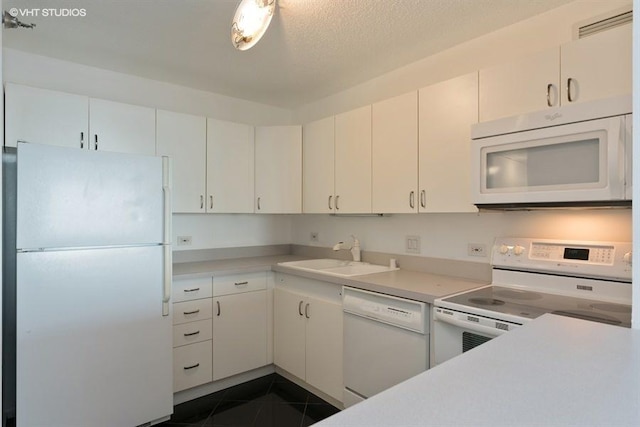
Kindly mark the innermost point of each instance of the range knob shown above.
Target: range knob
(518, 250)
(504, 249)
(627, 258)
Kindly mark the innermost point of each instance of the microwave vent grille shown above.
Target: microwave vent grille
(600, 25)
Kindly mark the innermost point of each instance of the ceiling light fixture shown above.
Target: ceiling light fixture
(250, 22)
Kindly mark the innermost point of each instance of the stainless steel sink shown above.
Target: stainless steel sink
(335, 267)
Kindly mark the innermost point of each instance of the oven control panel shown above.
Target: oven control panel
(583, 258)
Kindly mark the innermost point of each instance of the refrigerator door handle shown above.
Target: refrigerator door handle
(166, 238)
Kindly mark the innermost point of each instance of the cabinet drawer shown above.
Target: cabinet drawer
(227, 285)
(192, 311)
(190, 289)
(192, 365)
(189, 333)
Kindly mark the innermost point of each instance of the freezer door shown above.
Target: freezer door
(93, 348)
(70, 198)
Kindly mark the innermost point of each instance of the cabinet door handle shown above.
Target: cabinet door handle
(423, 198)
(549, 87)
(190, 334)
(412, 203)
(569, 97)
(241, 283)
(186, 368)
(96, 142)
(306, 311)
(186, 313)
(330, 197)
(192, 290)
(337, 199)
(201, 201)
(300, 308)
(210, 202)
(218, 304)
(258, 203)
(81, 139)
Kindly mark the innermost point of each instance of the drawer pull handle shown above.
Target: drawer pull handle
(218, 304)
(241, 283)
(186, 313)
(186, 368)
(190, 334)
(192, 290)
(300, 308)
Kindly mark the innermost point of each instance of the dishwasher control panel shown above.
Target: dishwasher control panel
(399, 312)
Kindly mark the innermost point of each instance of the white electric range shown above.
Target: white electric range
(531, 277)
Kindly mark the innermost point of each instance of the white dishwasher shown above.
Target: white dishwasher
(386, 341)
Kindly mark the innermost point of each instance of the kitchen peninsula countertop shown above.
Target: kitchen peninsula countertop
(414, 285)
(554, 371)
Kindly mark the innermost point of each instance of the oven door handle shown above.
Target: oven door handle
(471, 326)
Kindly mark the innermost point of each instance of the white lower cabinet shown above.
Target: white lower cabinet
(220, 327)
(192, 330)
(308, 332)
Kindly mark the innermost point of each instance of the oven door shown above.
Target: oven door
(456, 332)
(571, 163)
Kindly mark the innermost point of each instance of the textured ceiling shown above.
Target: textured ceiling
(314, 48)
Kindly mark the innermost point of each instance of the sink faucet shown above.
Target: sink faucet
(355, 248)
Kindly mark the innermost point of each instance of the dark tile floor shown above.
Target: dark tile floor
(271, 401)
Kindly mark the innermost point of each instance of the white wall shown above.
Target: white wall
(226, 231)
(447, 235)
(543, 31)
(207, 231)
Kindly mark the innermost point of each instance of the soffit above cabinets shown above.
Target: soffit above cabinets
(312, 49)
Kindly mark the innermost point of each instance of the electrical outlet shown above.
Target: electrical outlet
(313, 236)
(477, 249)
(412, 244)
(184, 240)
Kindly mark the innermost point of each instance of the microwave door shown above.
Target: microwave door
(579, 162)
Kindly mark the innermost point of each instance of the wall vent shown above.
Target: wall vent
(600, 23)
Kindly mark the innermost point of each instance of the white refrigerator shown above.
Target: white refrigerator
(93, 281)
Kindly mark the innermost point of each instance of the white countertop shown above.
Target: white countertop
(413, 285)
(554, 371)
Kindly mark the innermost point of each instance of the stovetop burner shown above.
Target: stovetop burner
(486, 301)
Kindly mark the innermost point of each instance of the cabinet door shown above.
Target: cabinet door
(353, 161)
(324, 347)
(318, 166)
(289, 332)
(520, 86)
(278, 169)
(239, 333)
(122, 127)
(447, 111)
(597, 66)
(183, 138)
(230, 167)
(45, 117)
(395, 154)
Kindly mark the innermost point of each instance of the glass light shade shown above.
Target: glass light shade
(250, 22)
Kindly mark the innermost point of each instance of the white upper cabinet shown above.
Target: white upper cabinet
(528, 84)
(597, 66)
(395, 155)
(230, 167)
(183, 138)
(122, 127)
(318, 166)
(45, 117)
(278, 169)
(447, 111)
(353, 161)
(594, 67)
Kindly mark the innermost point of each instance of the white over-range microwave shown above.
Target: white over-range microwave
(578, 155)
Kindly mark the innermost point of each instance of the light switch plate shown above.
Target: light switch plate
(412, 244)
